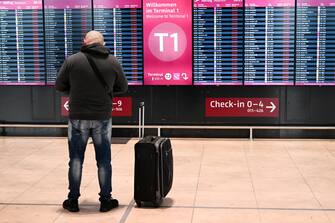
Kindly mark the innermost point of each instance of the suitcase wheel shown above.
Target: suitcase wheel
(156, 204)
(138, 203)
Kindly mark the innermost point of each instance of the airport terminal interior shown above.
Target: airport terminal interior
(244, 90)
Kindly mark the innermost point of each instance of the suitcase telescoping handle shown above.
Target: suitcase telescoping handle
(141, 120)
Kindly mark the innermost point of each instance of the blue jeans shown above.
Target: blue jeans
(78, 133)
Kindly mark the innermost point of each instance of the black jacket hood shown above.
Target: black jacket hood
(95, 50)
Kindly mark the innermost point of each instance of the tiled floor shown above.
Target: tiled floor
(215, 180)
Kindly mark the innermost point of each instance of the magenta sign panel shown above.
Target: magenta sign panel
(167, 42)
(316, 3)
(117, 4)
(66, 4)
(122, 107)
(242, 107)
(273, 3)
(218, 3)
(21, 4)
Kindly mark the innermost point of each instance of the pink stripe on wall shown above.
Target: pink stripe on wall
(274, 3)
(218, 3)
(64, 4)
(316, 3)
(117, 4)
(21, 4)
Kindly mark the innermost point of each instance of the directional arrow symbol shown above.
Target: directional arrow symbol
(273, 106)
(66, 106)
(184, 75)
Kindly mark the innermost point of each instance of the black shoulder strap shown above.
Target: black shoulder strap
(97, 72)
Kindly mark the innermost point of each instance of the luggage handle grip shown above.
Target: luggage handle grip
(151, 138)
(141, 120)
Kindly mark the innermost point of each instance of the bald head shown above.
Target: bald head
(94, 37)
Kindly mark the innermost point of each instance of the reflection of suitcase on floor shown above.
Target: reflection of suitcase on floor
(153, 170)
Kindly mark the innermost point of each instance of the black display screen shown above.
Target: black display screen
(269, 42)
(121, 24)
(66, 23)
(22, 43)
(315, 58)
(218, 43)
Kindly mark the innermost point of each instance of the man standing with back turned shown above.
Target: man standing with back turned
(90, 113)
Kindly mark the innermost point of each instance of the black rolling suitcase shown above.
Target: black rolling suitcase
(153, 169)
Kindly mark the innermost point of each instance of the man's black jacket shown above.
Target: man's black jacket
(89, 99)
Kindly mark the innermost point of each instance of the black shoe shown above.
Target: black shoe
(71, 205)
(108, 205)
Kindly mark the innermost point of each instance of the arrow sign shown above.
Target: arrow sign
(122, 106)
(273, 106)
(242, 107)
(66, 106)
(184, 75)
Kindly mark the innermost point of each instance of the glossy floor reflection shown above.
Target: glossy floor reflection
(215, 180)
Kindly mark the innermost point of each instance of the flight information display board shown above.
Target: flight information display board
(21, 43)
(269, 42)
(66, 23)
(218, 42)
(120, 21)
(167, 42)
(315, 60)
